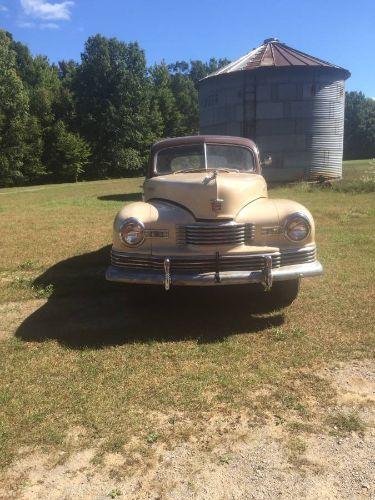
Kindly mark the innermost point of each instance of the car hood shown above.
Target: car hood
(208, 195)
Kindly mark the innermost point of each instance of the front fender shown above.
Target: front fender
(140, 210)
(260, 212)
(155, 215)
(285, 208)
(269, 217)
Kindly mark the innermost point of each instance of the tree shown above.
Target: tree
(186, 97)
(19, 163)
(113, 98)
(43, 90)
(165, 100)
(185, 78)
(65, 103)
(359, 132)
(196, 70)
(67, 154)
(181, 67)
(33, 169)
(92, 119)
(24, 61)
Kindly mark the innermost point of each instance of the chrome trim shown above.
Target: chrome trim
(132, 220)
(202, 263)
(156, 233)
(208, 279)
(296, 215)
(216, 204)
(167, 274)
(208, 263)
(267, 283)
(214, 233)
(217, 267)
(270, 230)
(180, 235)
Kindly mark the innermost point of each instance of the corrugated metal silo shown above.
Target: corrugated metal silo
(290, 103)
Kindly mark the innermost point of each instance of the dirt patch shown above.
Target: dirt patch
(260, 462)
(354, 381)
(13, 313)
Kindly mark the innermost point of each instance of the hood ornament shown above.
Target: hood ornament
(217, 205)
(210, 178)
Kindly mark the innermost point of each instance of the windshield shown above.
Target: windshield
(192, 157)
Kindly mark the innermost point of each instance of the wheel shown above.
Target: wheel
(282, 293)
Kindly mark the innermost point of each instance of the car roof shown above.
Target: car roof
(200, 139)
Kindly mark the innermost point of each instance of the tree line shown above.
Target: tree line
(97, 118)
(359, 131)
(93, 119)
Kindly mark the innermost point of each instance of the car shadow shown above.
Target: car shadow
(125, 197)
(86, 311)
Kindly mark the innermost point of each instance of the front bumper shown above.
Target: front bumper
(265, 276)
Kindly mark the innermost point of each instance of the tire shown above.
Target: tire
(282, 293)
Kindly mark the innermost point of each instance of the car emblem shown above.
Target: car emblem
(217, 205)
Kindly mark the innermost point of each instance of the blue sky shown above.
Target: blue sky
(339, 31)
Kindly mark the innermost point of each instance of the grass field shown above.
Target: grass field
(77, 352)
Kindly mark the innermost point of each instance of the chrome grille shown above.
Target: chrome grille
(206, 264)
(298, 256)
(213, 233)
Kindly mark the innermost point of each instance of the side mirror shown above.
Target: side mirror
(266, 162)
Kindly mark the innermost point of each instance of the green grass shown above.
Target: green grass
(359, 177)
(343, 423)
(155, 366)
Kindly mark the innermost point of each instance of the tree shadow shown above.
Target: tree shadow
(121, 197)
(85, 311)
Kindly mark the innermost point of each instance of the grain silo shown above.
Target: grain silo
(290, 103)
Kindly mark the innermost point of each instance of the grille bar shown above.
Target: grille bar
(206, 264)
(215, 233)
(290, 258)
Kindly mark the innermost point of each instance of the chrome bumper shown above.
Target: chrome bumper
(265, 277)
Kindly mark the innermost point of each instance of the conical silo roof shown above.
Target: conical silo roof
(274, 54)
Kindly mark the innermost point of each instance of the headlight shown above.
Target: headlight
(132, 232)
(297, 227)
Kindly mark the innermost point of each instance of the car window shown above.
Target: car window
(192, 157)
(220, 156)
(171, 160)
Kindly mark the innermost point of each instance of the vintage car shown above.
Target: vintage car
(206, 220)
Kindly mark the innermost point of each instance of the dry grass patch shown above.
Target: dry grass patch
(141, 368)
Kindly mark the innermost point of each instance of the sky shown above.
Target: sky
(339, 31)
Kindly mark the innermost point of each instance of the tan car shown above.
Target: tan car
(206, 220)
